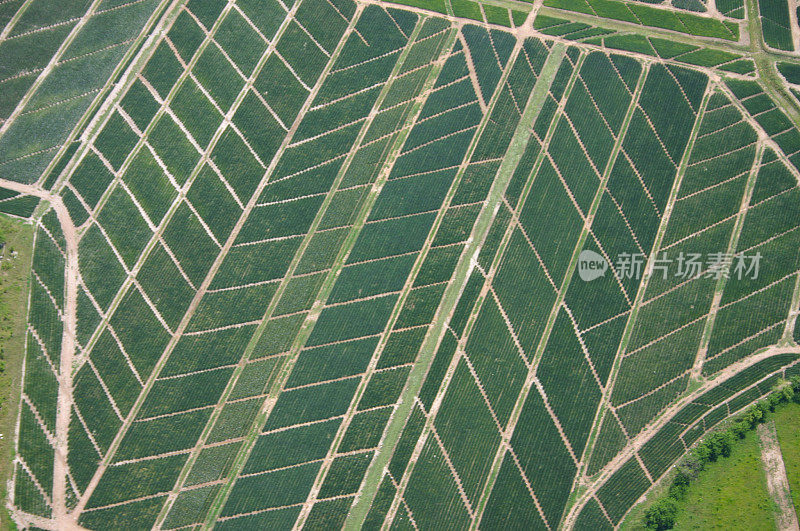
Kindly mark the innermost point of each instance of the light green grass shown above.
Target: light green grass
(729, 494)
(14, 277)
(787, 422)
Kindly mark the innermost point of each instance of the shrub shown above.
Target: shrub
(661, 515)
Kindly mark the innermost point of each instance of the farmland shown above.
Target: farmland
(322, 263)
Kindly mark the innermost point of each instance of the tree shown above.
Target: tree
(741, 428)
(680, 484)
(661, 515)
(726, 440)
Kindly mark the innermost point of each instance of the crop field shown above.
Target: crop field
(362, 264)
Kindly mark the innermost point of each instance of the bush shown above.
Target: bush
(741, 428)
(680, 484)
(661, 515)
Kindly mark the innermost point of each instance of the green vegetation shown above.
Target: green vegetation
(787, 423)
(316, 238)
(14, 283)
(715, 485)
(648, 16)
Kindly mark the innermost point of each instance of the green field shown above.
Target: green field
(323, 263)
(786, 423)
(14, 281)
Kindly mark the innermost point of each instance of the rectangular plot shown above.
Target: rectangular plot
(220, 348)
(751, 315)
(371, 278)
(139, 331)
(214, 203)
(239, 167)
(365, 430)
(379, 239)
(186, 35)
(233, 306)
(191, 245)
(332, 362)
(420, 306)
(243, 45)
(266, 16)
(117, 375)
(304, 56)
(554, 243)
(308, 404)
(623, 489)
(212, 463)
(162, 435)
(432, 494)
(90, 399)
(280, 220)
(196, 113)
(657, 364)
(101, 271)
(150, 186)
(291, 447)
(464, 412)
(496, 360)
(173, 148)
(235, 420)
(384, 388)
(543, 457)
(135, 480)
(91, 178)
(524, 292)
(274, 489)
(259, 127)
(185, 392)
(344, 475)
(349, 321)
(569, 383)
(300, 294)
(125, 226)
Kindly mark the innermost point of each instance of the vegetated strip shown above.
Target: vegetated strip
(329, 196)
(96, 116)
(325, 290)
(209, 277)
(571, 513)
(456, 286)
(486, 288)
(13, 22)
(158, 233)
(521, 399)
(419, 263)
(697, 369)
(352, 408)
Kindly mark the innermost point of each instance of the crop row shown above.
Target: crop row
(61, 97)
(470, 463)
(641, 44)
(624, 487)
(775, 24)
(644, 15)
(168, 285)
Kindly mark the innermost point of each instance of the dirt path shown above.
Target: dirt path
(646, 434)
(777, 482)
(64, 404)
